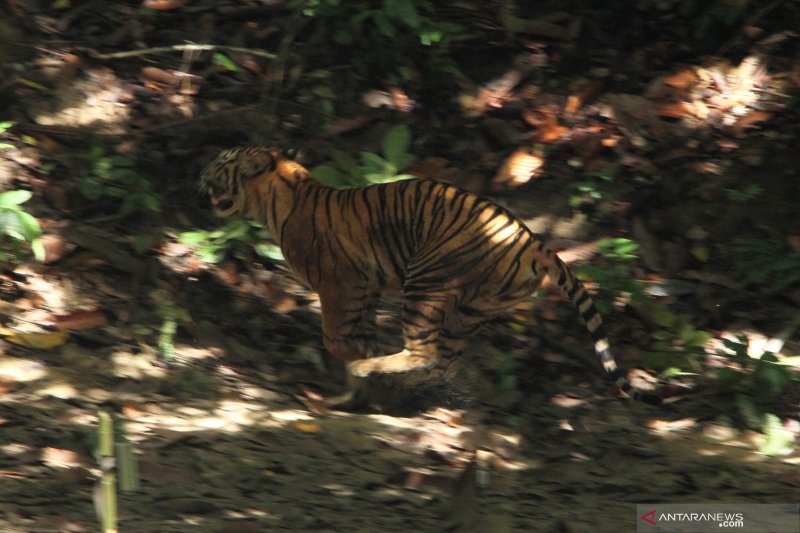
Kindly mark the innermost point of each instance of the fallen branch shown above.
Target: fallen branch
(182, 48)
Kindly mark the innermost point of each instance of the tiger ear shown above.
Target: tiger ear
(256, 161)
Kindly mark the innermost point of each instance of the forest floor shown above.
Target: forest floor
(209, 355)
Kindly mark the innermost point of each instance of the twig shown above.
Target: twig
(182, 48)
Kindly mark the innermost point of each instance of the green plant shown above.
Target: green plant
(18, 227)
(234, 237)
(748, 194)
(4, 126)
(760, 376)
(614, 276)
(588, 190)
(766, 263)
(754, 380)
(115, 176)
(390, 35)
(172, 315)
(374, 168)
(677, 343)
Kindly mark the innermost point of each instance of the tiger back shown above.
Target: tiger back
(453, 258)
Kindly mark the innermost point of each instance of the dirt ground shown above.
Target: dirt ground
(214, 372)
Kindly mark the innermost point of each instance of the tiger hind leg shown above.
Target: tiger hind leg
(423, 317)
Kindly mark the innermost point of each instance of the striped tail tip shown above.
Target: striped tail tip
(650, 398)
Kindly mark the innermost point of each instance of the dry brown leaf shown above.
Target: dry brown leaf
(672, 425)
(586, 92)
(683, 79)
(156, 78)
(284, 305)
(163, 5)
(573, 104)
(749, 121)
(229, 273)
(313, 402)
(79, 320)
(60, 458)
(54, 247)
(550, 130)
(672, 109)
(307, 427)
(519, 168)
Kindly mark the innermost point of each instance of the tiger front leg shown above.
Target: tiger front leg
(349, 334)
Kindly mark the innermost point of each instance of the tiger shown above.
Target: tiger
(452, 258)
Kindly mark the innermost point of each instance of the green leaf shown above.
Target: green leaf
(131, 204)
(224, 61)
(345, 161)
(373, 163)
(770, 378)
(748, 410)
(6, 146)
(116, 192)
(429, 37)
(673, 372)
(143, 243)
(127, 175)
(120, 161)
(5, 125)
(192, 238)
(663, 316)
(102, 168)
(395, 145)
(151, 202)
(270, 251)
(29, 226)
(404, 11)
(10, 223)
(13, 198)
(729, 377)
(778, 440)
(329, 176)
(90, 188)
(384, 26)
(38, 250)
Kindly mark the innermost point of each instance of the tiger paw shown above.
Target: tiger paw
(390, 364)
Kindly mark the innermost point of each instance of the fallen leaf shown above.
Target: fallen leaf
(672, 109)
(79, 320)
(157, 78)
(307, 427)
(586, 92)
(39, 341)
(672, 425)
(519, 168)
(313, 402)
(683, 79)
(749, 121)
(550, 130)
(163, 5)
(58, 457)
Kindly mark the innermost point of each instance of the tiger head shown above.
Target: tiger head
(224, 179)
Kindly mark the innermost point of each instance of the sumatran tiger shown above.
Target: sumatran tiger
(453, 258)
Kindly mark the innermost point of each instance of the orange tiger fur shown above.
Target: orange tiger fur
(452, 257)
